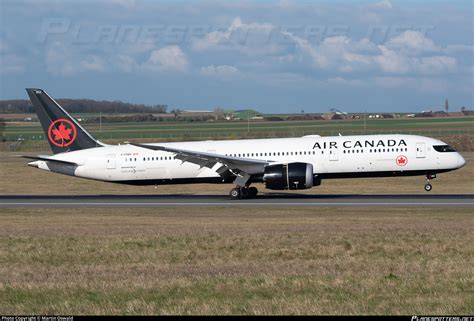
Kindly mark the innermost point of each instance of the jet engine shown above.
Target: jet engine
(288, 176)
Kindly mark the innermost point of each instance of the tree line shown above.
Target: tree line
(20, 106)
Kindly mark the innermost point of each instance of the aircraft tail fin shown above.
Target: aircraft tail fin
(63, 132)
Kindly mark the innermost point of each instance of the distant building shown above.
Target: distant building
(246, 113)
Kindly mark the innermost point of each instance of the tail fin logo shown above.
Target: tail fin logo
(62, 132)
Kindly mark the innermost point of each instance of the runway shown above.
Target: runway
(266, 200)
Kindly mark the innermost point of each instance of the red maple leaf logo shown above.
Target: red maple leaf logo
(401, 160)
(62, 133)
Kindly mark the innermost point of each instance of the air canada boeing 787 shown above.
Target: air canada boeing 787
(280, 163)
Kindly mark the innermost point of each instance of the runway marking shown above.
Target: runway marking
(237, 203)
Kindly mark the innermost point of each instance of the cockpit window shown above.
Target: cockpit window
(443, 148)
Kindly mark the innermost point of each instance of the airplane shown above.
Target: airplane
(279, 163)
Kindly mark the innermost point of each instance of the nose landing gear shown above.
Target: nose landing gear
(243, 192)
(428, 186)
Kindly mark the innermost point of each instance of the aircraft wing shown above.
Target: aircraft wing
(209, 160)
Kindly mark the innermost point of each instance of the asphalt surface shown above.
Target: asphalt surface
(267, 200)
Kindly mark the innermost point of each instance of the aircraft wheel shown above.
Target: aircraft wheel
(245, 192)
(235, 193)
(253, 191)
(428, 187)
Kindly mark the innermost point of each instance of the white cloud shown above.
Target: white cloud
(410, 52)
(63, 60)
(384, 4)
(436, 65)
(92, 63)
(452, 49)
(250, 39)
(60, 60)
(390, 61)
(170, 58)
(222, 72)
(125, 63)
(412, 42)
(127, 4)
(338, 53)
(339, 81)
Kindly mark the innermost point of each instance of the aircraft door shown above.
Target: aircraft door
(420, 150)
(111, 162)
(333, 155)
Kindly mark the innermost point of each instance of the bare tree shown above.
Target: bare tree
(176, 112)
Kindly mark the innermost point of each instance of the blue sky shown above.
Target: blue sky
(274, 56)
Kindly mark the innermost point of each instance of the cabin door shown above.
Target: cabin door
(420, 150)
(111, 163)
(333, 155)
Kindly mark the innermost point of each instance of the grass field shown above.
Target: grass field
(231, 260)
(200, 130)
(237, 261)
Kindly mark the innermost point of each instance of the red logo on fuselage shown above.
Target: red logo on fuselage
(62, 132)
(401, 160)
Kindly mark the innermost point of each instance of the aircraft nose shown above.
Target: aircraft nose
(461, 161)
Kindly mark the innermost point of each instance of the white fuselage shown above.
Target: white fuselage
(329, 156)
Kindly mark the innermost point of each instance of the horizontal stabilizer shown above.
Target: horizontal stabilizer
(49, 159)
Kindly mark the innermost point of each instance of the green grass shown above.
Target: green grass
(463, 125)
(225, 260)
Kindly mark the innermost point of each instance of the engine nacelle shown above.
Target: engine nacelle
(288, 176)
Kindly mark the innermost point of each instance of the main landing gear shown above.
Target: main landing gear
(243, 192)
(428, 186)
